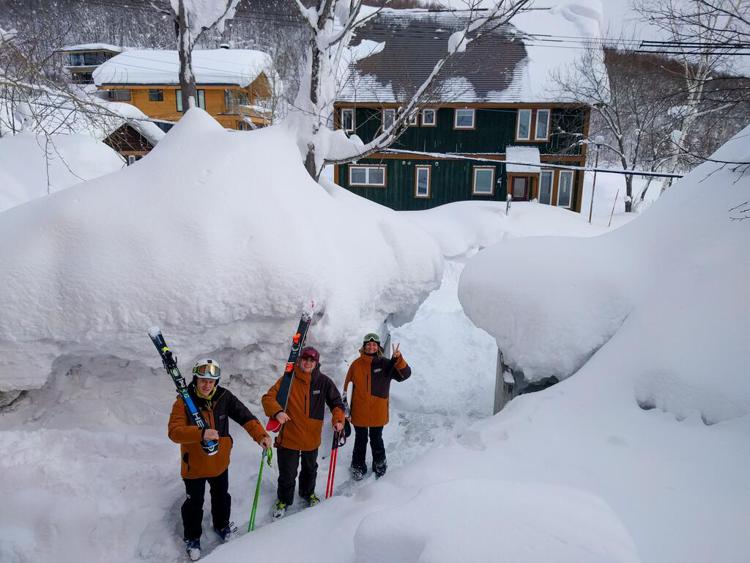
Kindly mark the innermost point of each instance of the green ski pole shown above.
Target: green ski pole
(267, 452)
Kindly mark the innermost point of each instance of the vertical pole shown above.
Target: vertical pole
(593, 187)
(500, 398)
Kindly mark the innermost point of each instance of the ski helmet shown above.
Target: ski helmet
(207, 368)
(371, 337)
(309, 352)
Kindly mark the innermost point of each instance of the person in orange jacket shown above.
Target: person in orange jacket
(217, 405)
(371, 375)
(302, 425)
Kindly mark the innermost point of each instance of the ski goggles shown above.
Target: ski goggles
(210, 371)
(371, 337)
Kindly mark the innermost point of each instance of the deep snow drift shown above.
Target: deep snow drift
(218, 237)
(32, 166)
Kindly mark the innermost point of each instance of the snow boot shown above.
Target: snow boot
(279, 509)
(193, 549)
(379, 468)
(312, 500)
(358, 473)
(227, 532)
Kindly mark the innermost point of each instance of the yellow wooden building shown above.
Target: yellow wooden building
(238, 87)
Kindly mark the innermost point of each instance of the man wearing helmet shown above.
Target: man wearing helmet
(371, 375)
(302, 425)
(217, 405)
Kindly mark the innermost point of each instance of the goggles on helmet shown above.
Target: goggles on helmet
(371, 337)
(207, 369)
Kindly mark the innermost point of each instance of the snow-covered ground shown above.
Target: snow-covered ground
(639, 455)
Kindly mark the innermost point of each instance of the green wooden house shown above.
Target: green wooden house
(491, 125)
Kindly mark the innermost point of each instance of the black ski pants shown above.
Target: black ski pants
(192, 508)
(360, 446)
(289, 461)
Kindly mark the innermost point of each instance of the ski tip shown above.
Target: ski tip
(154, 331)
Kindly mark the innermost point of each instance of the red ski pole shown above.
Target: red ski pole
(332, 464)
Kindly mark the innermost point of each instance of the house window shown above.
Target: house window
(201, 99)
(565, 188)
(413, 119)
(389, 116)
(119, 95)
(429, 118)
(132, 159)
(484, 180)
(243, 126)
(347, 119)
(541, 132)
(464, 119)
(156, 95)
(523, 126)
(545, 186)
(422, 181)
(233, 99)
(367, 175)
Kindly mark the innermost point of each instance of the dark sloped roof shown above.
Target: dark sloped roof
(415, 41)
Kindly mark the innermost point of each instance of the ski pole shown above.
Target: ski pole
(269, 453)
(339, 439)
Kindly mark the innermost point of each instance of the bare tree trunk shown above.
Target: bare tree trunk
(185, 50)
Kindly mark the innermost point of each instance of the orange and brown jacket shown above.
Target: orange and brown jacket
(308, 396)
(371, 377)
(217, 411)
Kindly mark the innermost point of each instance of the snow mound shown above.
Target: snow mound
(218, 237)
(663, 287)
(447, 522)
(32, 166)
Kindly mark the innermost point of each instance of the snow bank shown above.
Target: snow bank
(32, 166)
(218, 237)
(678, 273)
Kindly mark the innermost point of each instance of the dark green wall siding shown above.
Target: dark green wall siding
(495, 128)
(451, 180)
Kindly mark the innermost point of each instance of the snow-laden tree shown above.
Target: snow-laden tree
(193, 19)
(703, 35)
(332, 24)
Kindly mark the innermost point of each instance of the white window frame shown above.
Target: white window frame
(417, 169)
(201, 101)
(474, 180)
(551, 175)
(367, 183)
(131, 159)
(455, 118)
(350, 111)
(569, 174)
(413, 119)
(382, 117)
(425, 123)
(537, 137)
(518, 124)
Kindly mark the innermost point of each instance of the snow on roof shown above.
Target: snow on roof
(522, 154)
(513, 63)
(213, 66)
(91, 47)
